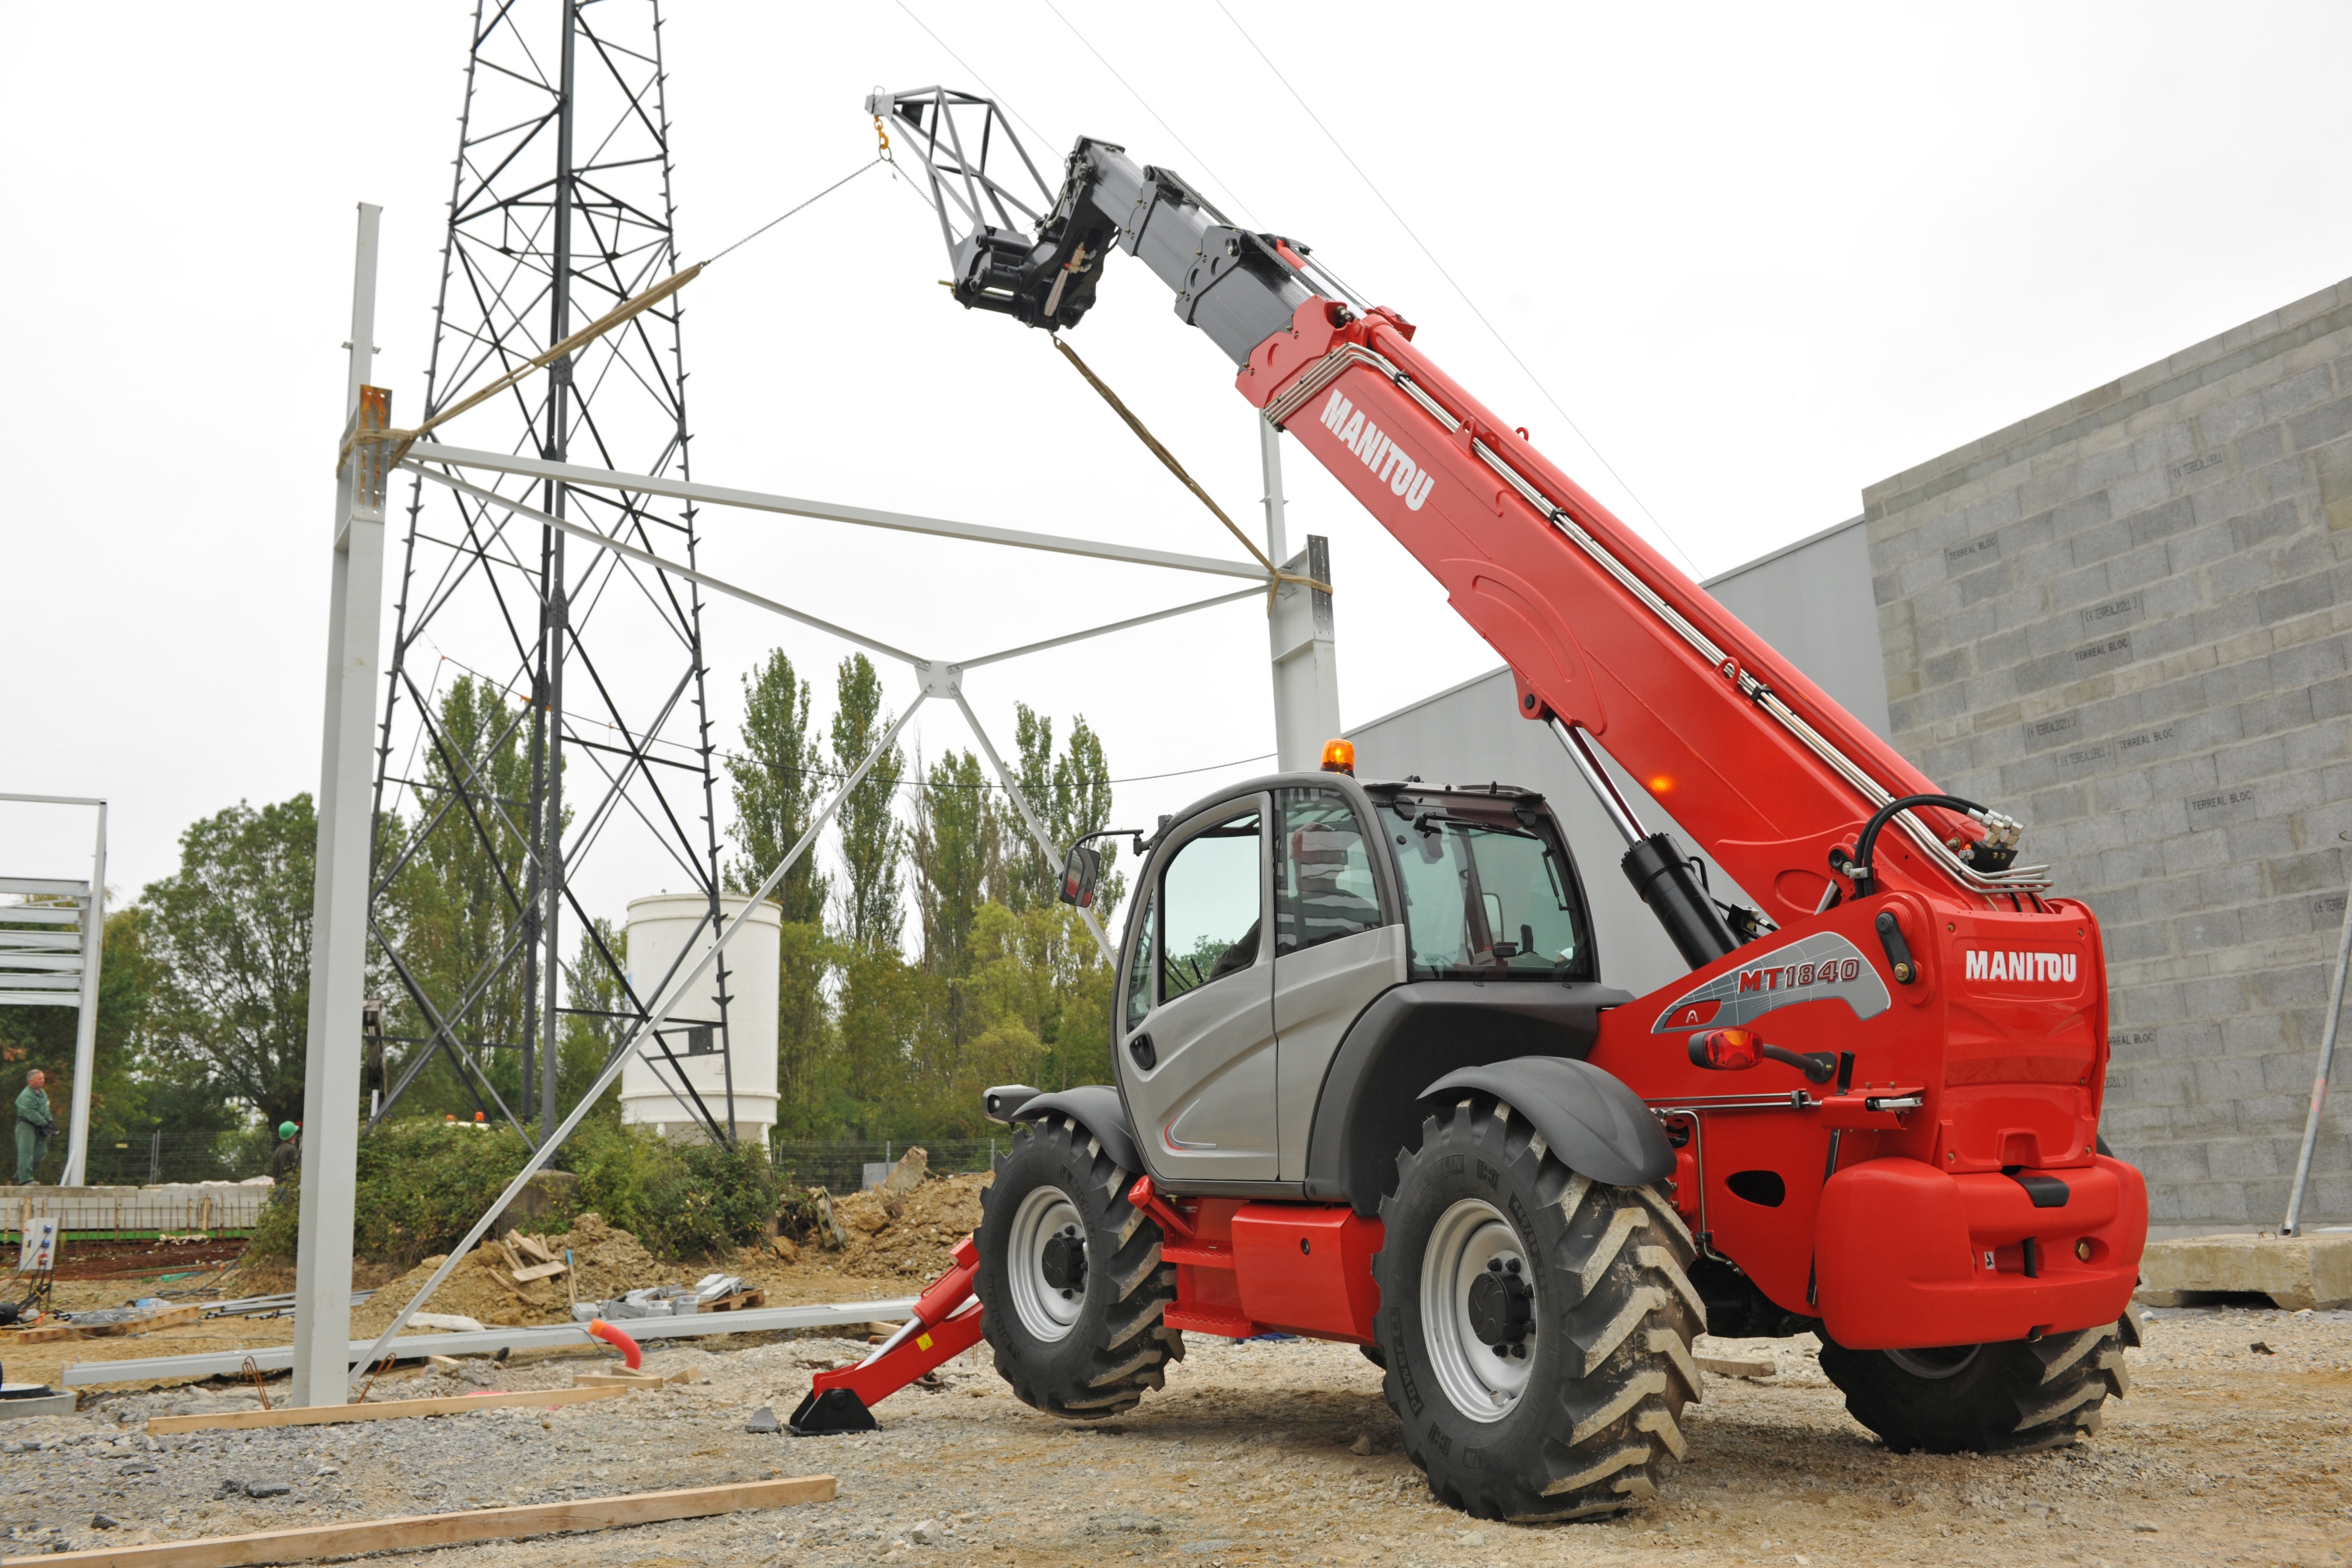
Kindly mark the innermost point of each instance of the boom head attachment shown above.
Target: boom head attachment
(1024, 250)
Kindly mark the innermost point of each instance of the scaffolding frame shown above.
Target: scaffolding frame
(45, 969)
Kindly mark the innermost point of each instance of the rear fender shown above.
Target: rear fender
(1096, 1108)
(1596, 1125)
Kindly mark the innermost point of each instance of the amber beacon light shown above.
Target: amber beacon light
(1339, 757)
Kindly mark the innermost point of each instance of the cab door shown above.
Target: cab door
(1335, 948)
(1197, 1056)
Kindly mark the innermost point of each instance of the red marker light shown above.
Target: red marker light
(1726, 1050)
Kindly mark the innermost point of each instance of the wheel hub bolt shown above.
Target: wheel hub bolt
(1063, 1262)
(1502, 1307)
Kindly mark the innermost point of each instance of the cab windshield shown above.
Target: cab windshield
(1486, 895)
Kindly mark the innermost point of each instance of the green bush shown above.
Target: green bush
(423, 1184)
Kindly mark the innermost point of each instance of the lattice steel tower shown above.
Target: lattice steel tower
(560, 210)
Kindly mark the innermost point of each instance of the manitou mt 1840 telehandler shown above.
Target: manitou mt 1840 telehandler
(1372, 1084)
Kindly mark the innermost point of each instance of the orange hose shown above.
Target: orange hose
(619, 1342)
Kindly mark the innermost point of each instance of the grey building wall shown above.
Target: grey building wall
(2127, 621)
(1803, 599)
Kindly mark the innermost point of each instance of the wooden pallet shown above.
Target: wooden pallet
(741, 1302)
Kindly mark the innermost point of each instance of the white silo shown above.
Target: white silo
(660, 929)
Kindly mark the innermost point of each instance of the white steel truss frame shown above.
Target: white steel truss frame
(319, 1353)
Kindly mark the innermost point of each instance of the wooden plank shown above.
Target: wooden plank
(335, 1415)
(538, 1271)
(535, 1248)
(419, 1532)
(626, 1379)
(1725, 1366)
(163, 1318)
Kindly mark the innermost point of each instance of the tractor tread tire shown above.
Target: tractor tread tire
(1598, 1422)
(2015, 1399)
(1116, 1351)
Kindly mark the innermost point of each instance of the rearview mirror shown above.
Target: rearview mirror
(1080, 870)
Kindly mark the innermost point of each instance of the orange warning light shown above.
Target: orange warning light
(1339, 757)
(1661, 785)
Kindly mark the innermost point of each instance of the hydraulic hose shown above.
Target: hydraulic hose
(1860, 867)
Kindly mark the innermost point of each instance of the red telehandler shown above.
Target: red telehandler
(1372, 1085)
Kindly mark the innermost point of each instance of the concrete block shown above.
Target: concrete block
(2317, 427)
(2260, 447)
(2295, 1272)
(40, 1405)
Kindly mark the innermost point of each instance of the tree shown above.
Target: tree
(1071, 794)
(872, 841)
(597, 1023)
(960, 853)
(134, 1091)
(454, 907)
(230, 936)
(777, 779)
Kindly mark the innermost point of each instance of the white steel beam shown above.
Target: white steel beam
(1305, 664)
(1143, 620)
(829, 512)
(645, 557)
(330, 1083)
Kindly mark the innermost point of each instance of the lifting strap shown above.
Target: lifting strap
(1276, 576)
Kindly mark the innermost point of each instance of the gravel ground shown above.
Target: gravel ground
(1268, 1452)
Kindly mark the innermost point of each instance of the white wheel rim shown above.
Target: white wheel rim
(1046, 1312)
(1933, 1365)
(1481, 1384)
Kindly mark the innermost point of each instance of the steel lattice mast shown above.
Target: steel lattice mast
(559, 209)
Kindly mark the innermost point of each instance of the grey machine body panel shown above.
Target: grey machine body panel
(1094, 1106)
(1372, 1103)
(1349, 1049)
(1593, 1121)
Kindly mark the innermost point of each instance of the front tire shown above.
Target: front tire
(1536, 1325)
(2007, 1398)
(1070, 1283)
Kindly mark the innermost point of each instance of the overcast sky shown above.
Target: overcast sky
(1760, 257)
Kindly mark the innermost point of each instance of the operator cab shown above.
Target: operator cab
(1270, 921)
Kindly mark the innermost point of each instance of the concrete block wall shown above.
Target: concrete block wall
(2127, 621)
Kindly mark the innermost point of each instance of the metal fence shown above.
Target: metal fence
(161, 1155)
(840, 1167)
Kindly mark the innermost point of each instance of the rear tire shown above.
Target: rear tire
(1490, 1240)
(2007, 1398)
(1070, 1283)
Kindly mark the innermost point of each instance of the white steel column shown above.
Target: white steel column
(331, 1080)
(1299, 630)
(93, 942)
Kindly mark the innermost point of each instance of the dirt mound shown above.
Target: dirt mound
(913, 1234)
(606, 1261)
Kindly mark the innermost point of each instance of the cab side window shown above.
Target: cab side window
(1138, 968)
(1323, 885)
(1208, 906)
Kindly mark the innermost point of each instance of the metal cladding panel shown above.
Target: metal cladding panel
(1307, 1269)
(1812, 602)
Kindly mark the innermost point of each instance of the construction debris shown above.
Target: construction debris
(1727, 1366)
(108, 1323)
(2293, 1272)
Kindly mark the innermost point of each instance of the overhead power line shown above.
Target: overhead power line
(1504, 343)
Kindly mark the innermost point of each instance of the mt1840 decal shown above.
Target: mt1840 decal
(1810, 969)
